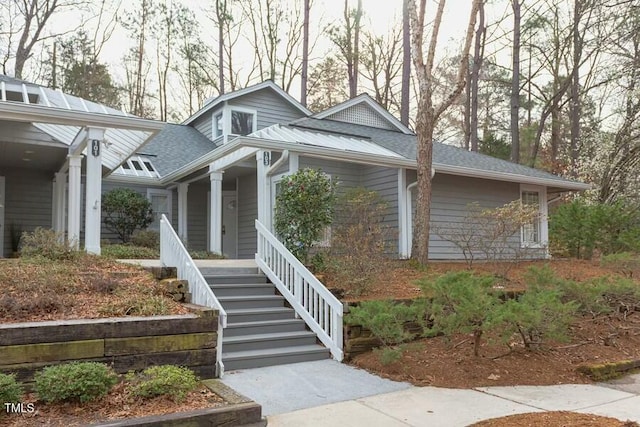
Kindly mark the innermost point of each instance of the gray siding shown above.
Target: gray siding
(271, 108)
(204, 124)
(197, 216)
(347, 174)
(28, 204)
(247, 214)
(385, 182)
(450, 197)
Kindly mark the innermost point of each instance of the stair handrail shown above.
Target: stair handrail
(174, 254)
(310, 299)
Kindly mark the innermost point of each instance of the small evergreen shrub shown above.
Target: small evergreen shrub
(125, 212)
(83, 381)
(125, 251)
(386, 320)
(48, 244)
(460, 302)
(10, 390)
(165, 380)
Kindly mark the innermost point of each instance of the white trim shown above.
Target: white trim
(229, 109)
(161, 192)
(403, 232)
(93, 188)
(215, 211)
(365, 99)
(214, 123)
(238, 93)
(74, 200)
(183, 221)
(544, 221)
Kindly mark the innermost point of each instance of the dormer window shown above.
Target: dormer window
(232, 120)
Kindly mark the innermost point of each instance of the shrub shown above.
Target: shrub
(129, 252)
(126, 211)
(359, 240)
(304, 207)
(579, 228)
(146, 239)
(165, 380)
(10, 390)
(48, 244)
(536, 316)
(460, 302)
(84, 381)
(386, 320)
(205, 255)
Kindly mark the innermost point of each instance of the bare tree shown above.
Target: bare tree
(428, 113)
(347, 39)
(406, 64)
(515, 83)
(305, 54)
(478, 56)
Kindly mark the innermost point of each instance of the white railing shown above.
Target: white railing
(174, 254)
(318, 307)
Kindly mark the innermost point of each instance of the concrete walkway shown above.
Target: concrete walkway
(328, 393)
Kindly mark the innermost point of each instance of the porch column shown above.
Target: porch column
(93, 187)
(403, 231)
(74, 201)
(263, 159)
(182, 211)
(59, 190)
(215, 212)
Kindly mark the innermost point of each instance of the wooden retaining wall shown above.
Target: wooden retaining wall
(125, 343)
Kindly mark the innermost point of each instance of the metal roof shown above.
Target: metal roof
(319, 139)
(55, 112)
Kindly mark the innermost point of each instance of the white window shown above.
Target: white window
(535, 234)
(242, 122)
(161, 203)
(236, 121)
(218, 125)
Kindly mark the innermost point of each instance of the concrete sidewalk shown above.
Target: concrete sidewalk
(432, 406)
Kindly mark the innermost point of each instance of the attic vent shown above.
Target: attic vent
(361, 114)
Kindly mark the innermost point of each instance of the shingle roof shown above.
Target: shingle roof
(443, 154)
(176, 146)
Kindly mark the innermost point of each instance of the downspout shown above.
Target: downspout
(278, 163)
(409, 210)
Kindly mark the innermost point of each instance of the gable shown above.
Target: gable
(362, 114)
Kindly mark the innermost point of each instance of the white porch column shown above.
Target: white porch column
(73, 211)
(215, 212)
(263, 159)
(403, 231)
(93, 187)
(183, 188)
(59, 190)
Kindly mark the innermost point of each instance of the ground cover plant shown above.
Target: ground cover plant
(85, 393)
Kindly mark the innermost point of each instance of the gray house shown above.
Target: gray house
(218, 171)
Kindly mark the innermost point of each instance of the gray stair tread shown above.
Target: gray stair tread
(241, 285)
(263, 322)
(272, 352)
(259, 310)
(267, 337)
(232, 276)
(249, 298)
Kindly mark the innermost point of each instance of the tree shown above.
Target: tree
(347, 40)
(515, 83)
(478, 56)
(429, 113)
(326, 84)
(406, 64)
(305, 54)
(126, 211)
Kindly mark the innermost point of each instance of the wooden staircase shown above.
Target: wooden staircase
(261, 330)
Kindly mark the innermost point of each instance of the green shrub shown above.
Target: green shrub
(10, 390)
(83, 381)
(125, 212)
(578, 228)
(129, 252)
(536, 316)
(146, 239)
(358, 241)
(48, 244)
(304, 208)
(205, 255)
(460, 302)
(166, 380)
(386, 320)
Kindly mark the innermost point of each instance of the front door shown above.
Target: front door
(2, 227)
(230, 225)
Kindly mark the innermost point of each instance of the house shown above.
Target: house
(218, 171)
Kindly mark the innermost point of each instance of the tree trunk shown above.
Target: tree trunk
(406, 64)
(515, 85)
(467, 112)
(305, 54)
(575, 87)
(353, 84)
(221, 15)
(478, 56)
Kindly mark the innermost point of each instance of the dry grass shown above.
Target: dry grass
(33, 289)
